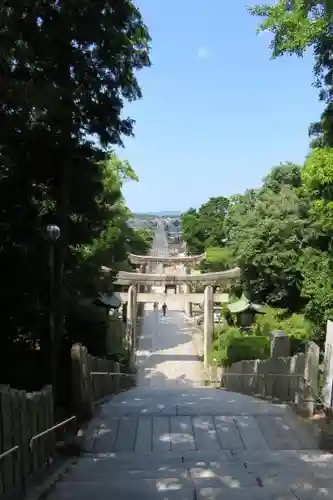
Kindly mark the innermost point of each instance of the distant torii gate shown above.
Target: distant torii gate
(132, 279)
(146, 263)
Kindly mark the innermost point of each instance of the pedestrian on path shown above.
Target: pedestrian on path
(124, 312)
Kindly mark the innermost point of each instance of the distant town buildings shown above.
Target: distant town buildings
(171, 224)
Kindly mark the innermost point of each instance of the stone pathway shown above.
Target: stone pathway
(172, 439)
(167, 356)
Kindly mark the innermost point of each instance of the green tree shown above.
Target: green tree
(192, 232)
(267, 234)
(145, 238)
(285, 174)
(240, 205)
(317, 176)
(317, 264)
(67, 68)
(204, 228)
(317, 288)
(297, 26)
(218, 259)
(116, 239)
(211, 220)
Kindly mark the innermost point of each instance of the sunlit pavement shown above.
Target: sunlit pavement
(172, 439)
(167, 357)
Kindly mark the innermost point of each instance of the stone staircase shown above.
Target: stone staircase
(196, 444)
(250, 475)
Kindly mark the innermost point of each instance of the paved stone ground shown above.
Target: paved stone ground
(172, 439)
(167, 356)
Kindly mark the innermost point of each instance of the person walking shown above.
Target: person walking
(124, 312)
(164, 309)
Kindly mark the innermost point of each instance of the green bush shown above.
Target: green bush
(249, 347)
(266, 323)
(296, 326)
(299, 330)
(234, 345)
(217, 259)
(220, 346)
(230, 344)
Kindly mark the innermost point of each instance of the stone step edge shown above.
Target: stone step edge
(202, 454)
(190, 487)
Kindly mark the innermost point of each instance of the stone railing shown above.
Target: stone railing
(292, 379)
(95, 378)
(28, 434)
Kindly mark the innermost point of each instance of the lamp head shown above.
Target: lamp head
(52, 232)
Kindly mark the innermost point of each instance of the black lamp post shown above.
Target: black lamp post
(52, 235)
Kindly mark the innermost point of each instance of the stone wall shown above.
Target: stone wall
(95, 378)
(292, 379)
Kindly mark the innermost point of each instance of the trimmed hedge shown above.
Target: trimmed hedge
(234, 345)
(250, 347)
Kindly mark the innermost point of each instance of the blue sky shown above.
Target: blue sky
(216, 112)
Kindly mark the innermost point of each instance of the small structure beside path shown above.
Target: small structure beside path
(245, 311)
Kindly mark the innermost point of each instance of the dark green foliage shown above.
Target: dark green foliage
(223, 339)
(88, 324)
(281, 234)
(204, 227)
(248, 347)
(297, 27)
(67, 69)
(232, 345)
(217, 259)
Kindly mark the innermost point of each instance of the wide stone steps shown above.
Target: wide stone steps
(194, 443)
(210, 433)
(246, 474)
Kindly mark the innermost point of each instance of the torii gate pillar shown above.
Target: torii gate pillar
(188, 304)
(131, 321)
(187, 289)
(208, 324)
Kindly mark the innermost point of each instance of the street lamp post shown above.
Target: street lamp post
(52, 235)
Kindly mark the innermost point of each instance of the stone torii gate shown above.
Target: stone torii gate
(133, 279)
(146, 262)
(149, 263)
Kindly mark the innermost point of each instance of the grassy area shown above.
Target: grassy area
(217, 259)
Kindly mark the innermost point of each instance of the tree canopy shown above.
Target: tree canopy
(281, 234)
(296, 27)
(67, 70)
(204, 227)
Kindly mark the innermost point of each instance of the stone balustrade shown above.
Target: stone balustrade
(95, 378)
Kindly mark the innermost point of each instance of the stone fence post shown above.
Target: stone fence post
(188, 303)
(131, 322)
(307, 403)
(208, 324)
(280, 344)
(82, 391)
